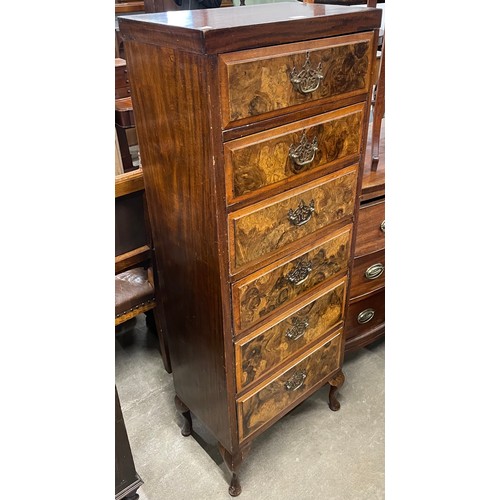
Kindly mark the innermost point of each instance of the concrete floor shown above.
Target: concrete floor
(311, 453)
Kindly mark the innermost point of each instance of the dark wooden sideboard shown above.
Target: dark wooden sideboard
(252, 123)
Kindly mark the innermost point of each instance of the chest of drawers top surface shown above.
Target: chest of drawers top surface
(234, 28)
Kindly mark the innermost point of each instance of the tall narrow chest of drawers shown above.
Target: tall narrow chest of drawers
(251, 123)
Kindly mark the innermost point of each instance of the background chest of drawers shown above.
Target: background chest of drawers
(251, 123)
(365, 315)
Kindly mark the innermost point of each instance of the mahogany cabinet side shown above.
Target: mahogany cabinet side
(173, 120)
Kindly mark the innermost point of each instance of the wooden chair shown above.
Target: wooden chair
(136, 289)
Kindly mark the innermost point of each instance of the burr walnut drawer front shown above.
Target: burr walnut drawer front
(368, 273)
(371, 228)
(273, 158)
(262, 83)
(274, 396)
(279, 223)
(268, 347)
(366, 315)
(271, 289)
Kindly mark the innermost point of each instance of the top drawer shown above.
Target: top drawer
(261, 83)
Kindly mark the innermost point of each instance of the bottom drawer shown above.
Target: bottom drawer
(365, 315)
(268, 400)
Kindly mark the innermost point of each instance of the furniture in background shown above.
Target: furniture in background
(365, 318)
(169, 5)
(127, 481)
(252, 170)
(365, 321)
(136, 291)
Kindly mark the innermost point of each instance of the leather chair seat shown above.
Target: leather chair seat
(132, 290)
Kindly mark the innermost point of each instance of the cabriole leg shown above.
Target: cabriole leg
(335, 384)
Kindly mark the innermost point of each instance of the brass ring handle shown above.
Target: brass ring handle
(373, 272)
(300, 273)
(365, 316)
(298, 329)
(308, 79)
(296, 381)
(303, 154)
(382, 226)
(301, 214)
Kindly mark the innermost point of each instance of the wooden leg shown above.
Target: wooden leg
(233, 462)
(187, 428)
(335, 384)
(124, 149)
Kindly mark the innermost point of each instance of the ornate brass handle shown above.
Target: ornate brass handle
(382, 226)
(295, 381)
(303, 154)
(298, 329)
(365, 316)
(373, 272)
(301, 214)
(300, 273)
(308, 79)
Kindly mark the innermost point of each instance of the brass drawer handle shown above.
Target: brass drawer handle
(373, 272)
(298, 329)
(308, 79)
(303, 154)
(296, 381)
(382, 226)
(300, 273)
(365, 316)
(301, 214)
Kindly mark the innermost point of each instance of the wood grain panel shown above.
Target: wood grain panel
(257, 83)
(370, 237)
(262, 160)
(260, 406)
(264, 350)
(360, 283)
(261, 229)
(259, 295)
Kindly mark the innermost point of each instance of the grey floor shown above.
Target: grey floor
(311, 453)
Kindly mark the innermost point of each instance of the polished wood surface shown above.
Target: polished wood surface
(262, 294)
(266, 227)
(207, 243)
(264, 402)
(374, 302)
(215, 31)
(257, 83)
(259, 161)
(266, 348)
(126, 7)
(128, 183)
(127, 481)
